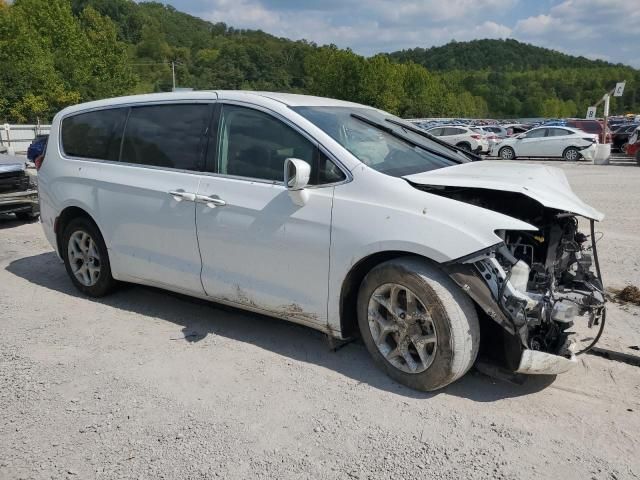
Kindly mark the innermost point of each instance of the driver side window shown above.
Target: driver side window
(254, 144)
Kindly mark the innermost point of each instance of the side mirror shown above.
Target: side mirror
(296, 178)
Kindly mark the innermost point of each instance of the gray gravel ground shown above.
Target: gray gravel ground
(147, 384)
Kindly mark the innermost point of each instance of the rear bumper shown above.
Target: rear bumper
(589, 153)
(19, 201)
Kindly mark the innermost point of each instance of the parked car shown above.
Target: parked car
(516, 128)
(18, 188)
(497, 130)
(568, 143)
(37, 147)
(620, 136)
(326, 213)
(590, 126)
(462, 137)
(632, 148)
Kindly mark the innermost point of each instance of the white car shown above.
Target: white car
(564, 142)
(497, 130)
(326, 213)
(462, 137)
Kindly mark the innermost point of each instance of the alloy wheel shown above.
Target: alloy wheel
(84, 258)
(571, 154)
(506, 153)
(402, 328)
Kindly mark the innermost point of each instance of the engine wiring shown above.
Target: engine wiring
(603, 311)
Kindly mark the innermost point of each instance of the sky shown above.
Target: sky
(604, 29)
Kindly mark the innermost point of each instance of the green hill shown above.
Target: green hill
(55, 53)
(506, 54)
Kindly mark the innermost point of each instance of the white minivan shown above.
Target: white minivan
(326, 213)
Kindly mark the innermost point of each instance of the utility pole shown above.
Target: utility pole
(173, 73)
(617, 91)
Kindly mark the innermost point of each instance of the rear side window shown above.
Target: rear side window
(557, 132)
(166, 136)
(94, 134)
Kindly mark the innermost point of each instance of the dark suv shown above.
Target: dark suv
(621, 134)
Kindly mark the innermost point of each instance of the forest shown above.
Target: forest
(55, 53)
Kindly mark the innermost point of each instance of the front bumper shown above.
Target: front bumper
(533, 362)
(14, 202)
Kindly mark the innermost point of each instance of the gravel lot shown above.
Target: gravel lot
(147, 384)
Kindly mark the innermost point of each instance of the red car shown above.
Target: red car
(590, 126)
(633, 147)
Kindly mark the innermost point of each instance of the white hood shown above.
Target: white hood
(546, 185)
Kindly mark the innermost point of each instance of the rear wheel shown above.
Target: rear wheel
(638, 157)
(571, 154)
(86, 258)
(464, 145)
(507, 153)
(419, 326)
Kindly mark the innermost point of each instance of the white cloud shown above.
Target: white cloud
(592, 28)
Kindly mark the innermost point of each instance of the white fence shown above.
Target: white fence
(17, 138)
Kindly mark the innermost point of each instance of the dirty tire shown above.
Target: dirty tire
(452, 312)
(105, 283)
(464, 146)
(638, 157)
(507, 153)
(571, 154)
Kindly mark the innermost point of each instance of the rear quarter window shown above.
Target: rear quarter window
(96, 134)
(166, 135)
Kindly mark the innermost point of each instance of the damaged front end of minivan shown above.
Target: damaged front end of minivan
(535, 284)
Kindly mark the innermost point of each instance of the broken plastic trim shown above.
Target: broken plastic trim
(468, 277)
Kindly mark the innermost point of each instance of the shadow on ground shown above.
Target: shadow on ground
(200, 318)
(9, 220)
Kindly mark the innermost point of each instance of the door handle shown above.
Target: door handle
(179, 195)
(210, 201)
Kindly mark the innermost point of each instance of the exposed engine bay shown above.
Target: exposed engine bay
(535, 284)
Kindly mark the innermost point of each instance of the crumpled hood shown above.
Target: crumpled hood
(547, 185)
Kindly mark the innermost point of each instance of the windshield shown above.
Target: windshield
(375, 139)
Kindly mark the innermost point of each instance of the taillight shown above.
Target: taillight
(476, 137)
(38, 161)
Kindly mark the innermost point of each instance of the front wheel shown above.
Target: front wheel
(571, 154)
(507, 153)
(418, 325)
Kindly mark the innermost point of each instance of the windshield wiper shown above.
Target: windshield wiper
(428, 136)
(391, 131)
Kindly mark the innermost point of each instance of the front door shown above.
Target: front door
(147, 200)
(258, 248)
(530, 144)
